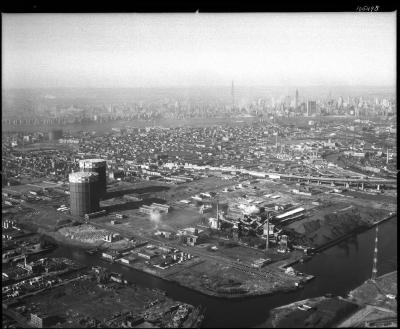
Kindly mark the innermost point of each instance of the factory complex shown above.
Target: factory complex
(232, 221)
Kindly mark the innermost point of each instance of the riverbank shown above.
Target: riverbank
(319, 312)
(351, 256)
(203, 291)
(373, 301)
(378, 303)
(333, 221)
(335, 242)
(199, 277)
(379, 292)
(356, 231)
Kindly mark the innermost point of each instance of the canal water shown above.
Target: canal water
(337, 270)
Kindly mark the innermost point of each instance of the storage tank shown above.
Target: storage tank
(55, 134)
(98, 166)
(84, 195)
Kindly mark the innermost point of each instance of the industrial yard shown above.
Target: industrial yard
(209, 216)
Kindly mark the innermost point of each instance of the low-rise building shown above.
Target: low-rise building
(259, 263)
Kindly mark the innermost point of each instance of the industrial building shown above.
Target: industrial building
(98, 166)
(84, 194)
(291, 215)
(162, 208)
(145, 209)
(55, 134)
(154, 207)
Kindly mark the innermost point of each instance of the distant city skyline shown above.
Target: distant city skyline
(188, 50)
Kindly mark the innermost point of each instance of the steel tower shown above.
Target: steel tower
(374, 267)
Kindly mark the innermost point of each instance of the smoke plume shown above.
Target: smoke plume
(249, 210)
(155, 217)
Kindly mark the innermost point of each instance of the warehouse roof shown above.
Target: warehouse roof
(291, 212)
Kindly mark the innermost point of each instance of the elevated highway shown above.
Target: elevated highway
(274, 175)
(371, 180)
(365, 180)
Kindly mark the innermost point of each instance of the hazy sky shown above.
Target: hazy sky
(146, 50)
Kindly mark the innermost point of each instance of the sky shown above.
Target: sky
(187, 50)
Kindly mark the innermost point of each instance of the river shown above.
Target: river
(338, 270)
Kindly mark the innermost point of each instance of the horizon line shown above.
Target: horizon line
(210, 87)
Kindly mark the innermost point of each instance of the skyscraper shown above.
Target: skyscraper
(296, 100)
(340, 102)
(311, 107)
(233, 95)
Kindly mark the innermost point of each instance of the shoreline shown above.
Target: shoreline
(61, 241)
(85, 247)
(277, 314)
(208, 292)
(337, 240)
(354, 232)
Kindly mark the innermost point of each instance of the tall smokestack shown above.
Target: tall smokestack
(267, 243)
(218, 224)
(387, 155)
